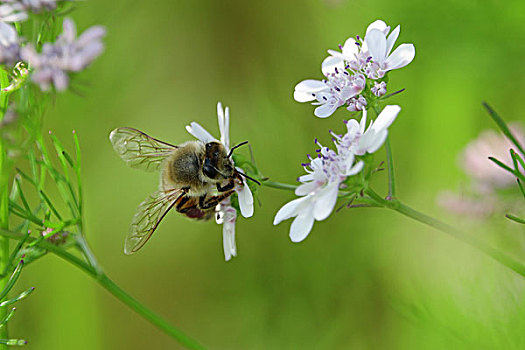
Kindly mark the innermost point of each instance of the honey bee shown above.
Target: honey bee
(194, 178)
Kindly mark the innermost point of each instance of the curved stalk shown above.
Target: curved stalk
(97, 274)
(375, 200)
(401, 208)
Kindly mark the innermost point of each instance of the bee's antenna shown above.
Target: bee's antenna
(248, 177)
(236, 146)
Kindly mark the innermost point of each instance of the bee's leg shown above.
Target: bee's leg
(226, 187)
(182, 199)
(180, 203)
(213, 201)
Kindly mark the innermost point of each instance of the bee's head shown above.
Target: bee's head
(217, 165)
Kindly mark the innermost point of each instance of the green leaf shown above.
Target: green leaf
(19, 297)
(520, 184)
(50, 205)
(503, 126)
(7, 317)
(12, 280)
(509, 169)
(15, 251)
(515, 218)
(516, 158)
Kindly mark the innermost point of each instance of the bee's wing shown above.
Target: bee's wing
(139, 150)
(148, 216)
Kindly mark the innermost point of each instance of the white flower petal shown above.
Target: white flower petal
(16, 17)
(402, 55)
(378, 24)
(199, 132)
(376, 43)
(356, 168)
(301, 226)
(8, 34)
(377, 141)
(386, 117)
(304, 90)
(325, 110)
(289, 210)
(306, 188)
(350, 49)
(245, 201)
(366, 140)
(224, 125)
(228, 240)
(332, 62)
(390, 41)
(305, 178)
(325, 201)
(311, 85)
(301, 96)
(69, 30)
(362, 123)
(353, 126)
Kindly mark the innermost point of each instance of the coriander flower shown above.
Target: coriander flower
(225, 213)
(379, 89)
(12, 12)
(337, 89)
(482, 198)
(328, 171)
(346, 71)
(319, 190)
(371, 55)
(361, 140)
(67, 54)
(35, 6)
(16, 10)
(486, 175)
(380, 45)
(9, 44)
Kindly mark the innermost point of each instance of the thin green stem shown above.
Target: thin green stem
(4, 204)
(278, 185)
(503, 126)
(111, 287)
(389, 161)
(390, 165)
(288, 187)
(401, 208)
(120, 294)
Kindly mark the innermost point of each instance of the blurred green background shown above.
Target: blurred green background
(363, 279)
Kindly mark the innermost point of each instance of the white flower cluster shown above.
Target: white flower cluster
(16, 10)
(225, 213)
(67, 54)
(9, 44)
(328, 171)
(355, 75)
(52, 65)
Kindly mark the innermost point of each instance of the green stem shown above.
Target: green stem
(133, 303)
(4, 242)
(4, 204)
(113, 288)
(503, 126)
(389, 161)
(278, 185)
(390, 165)
(401, 208)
